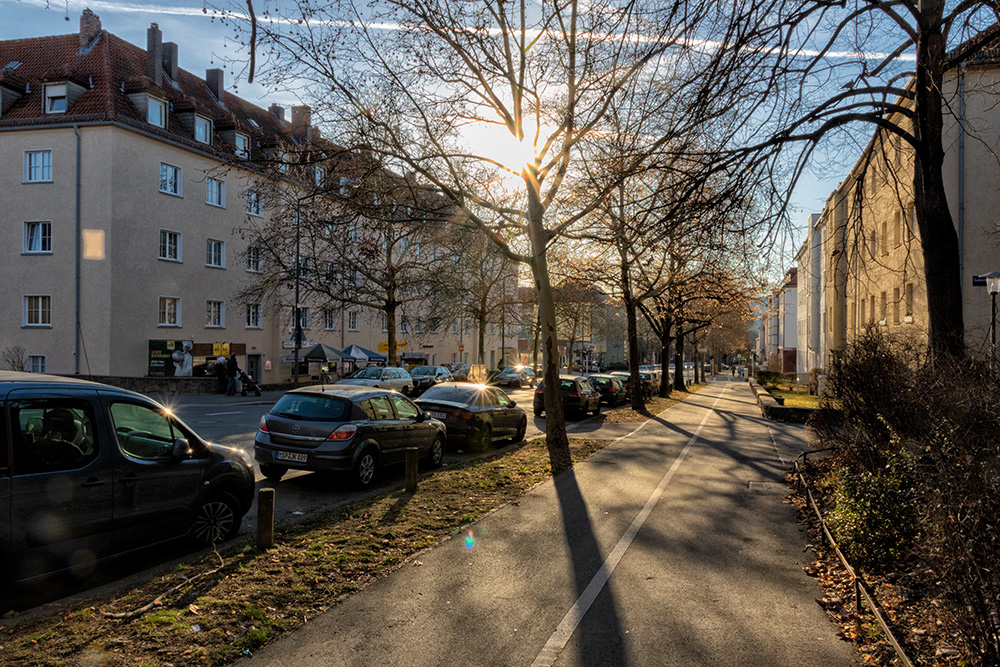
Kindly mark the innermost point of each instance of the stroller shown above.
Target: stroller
(248, 384)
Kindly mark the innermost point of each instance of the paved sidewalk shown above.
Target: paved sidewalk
(673, 546)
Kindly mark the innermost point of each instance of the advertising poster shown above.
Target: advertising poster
(170, 358)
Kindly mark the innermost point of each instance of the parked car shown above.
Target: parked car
(378, 377)
(611, 387)
(578, 396)
(626, 378)
(470, 373)
(425, 377)
(91, 472)
(516, 376)
(650, 381)
(475, 416)
(344, 428)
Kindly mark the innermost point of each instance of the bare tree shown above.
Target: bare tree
(16, 358)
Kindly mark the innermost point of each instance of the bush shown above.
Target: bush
(768, 379)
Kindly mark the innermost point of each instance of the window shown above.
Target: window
(203, 130)
(170, 179)
(253, 202)
(253, 316)
(215, 192)
(36, 363)
(454, 327)
(404, 326)
(330, 319)
(895, 305)
(305, 317)
(352, 321)
(897, 230)
(55, 98)
(215, 254)
(38, 166)
(908, 296)
(884, 310)
(435, 325)
(320, 176)
(215, 314)
(420, 325)
(37, 237)
(885, 238)
(156, 112)
(170, 311)
(255, 259)
(385, 322)
(871, 304)
(51, 434)
(170, 245)
(37, 311)
(242, 146)
(143, 433)
(861, 311)
(355, 278)
(405, 409)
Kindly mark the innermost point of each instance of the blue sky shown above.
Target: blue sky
(204, 43)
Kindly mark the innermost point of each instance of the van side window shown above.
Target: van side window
(143, 433)
(52, 434)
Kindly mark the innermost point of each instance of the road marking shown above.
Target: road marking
(564, 631)
(216, 414)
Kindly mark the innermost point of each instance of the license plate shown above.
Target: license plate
(295, 457)
(437, 415)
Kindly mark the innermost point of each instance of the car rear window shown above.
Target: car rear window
(600, 382)
(312, 407)
(453, 394)
(568, 384)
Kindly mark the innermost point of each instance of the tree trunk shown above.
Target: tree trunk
(679, 361)
(637, 402)
(665, 368)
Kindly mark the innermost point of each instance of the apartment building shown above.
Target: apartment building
(126, 182)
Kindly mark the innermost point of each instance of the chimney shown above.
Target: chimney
(301, 117)
(215, 78)
(277, 111)
(90, 28)
(154, 54)
(170, 59)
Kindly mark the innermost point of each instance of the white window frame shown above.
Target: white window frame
(215, 314)
(242, 147)
(404, 324)
(353, 321)
(44, 238)
(305, 317)
(385, 322)
(44, 311)
(178, 184)
(36, 363)
(53, 93)
(330, 319)
(254, 206)
(163, 311)
(156, 103)
(203, 126)
(38, 173)
(253, 316)
(166, 234)
(255, 259)
(215, 254)
(319, 176)
(215, 192)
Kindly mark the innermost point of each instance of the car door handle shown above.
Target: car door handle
(93, 482)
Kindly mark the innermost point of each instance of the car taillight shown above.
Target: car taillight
(263, 423)
(460, 414)
(539, 390)
(345, 432)
(573, 394)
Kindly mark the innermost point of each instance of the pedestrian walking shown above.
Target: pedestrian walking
(221, 376)
(232, 370)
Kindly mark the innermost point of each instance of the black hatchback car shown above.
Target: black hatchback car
(611, 387)
(89, 471)
(344, 428)
(578, 396)
(425, 377)
(475, 415)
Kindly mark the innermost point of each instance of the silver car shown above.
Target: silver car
(388, 377)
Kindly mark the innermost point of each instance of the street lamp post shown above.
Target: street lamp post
(297, 326)
(993, 286)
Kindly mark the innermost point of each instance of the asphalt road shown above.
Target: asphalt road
(673, 546)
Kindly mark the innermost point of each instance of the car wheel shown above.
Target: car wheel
(217, 520)
(437, 453)
(365, 469)
(482, 439)
(273, 472)
(522, 428)
(538, 412)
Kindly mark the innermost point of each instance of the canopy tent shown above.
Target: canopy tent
(358, 353)
(323, 352)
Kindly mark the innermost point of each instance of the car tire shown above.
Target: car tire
(272, 472)
(538, 413)
(217, 520)
(436, 457)
(365, 469)
(483, 439)
(522, 428)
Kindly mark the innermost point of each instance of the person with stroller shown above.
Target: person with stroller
(232, 371)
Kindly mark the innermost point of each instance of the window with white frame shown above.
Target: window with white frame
(330, 319)
(37, 310)
(203, 130)
(435, 325)
(170, 245)
(320, 176)
(454, 327)
(37, 238)
(253, 202)
(215, 314)
(255, 259)
(420, 325)
(242, 145)
(353, 321)
(385, 322)
(170, 179)
(355, 278)
(169, 311)
(38, 166)
(215, 192)
(253, 316)
(55, 98)
(36, 363)
(404, 325)
(305, 317)
(215, 254)
(156, 112)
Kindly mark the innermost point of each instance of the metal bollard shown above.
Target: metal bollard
(412, 461)
(265, 518)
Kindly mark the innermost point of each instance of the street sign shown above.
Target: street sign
(383, 346)
(979, 281)
(461, 347)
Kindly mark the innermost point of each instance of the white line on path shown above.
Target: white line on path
(564, 631)
(219, 414)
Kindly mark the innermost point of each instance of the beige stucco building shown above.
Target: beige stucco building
(125, 181)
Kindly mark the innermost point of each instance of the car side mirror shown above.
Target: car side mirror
(422, 417)
(181, 449)
(513, 403)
